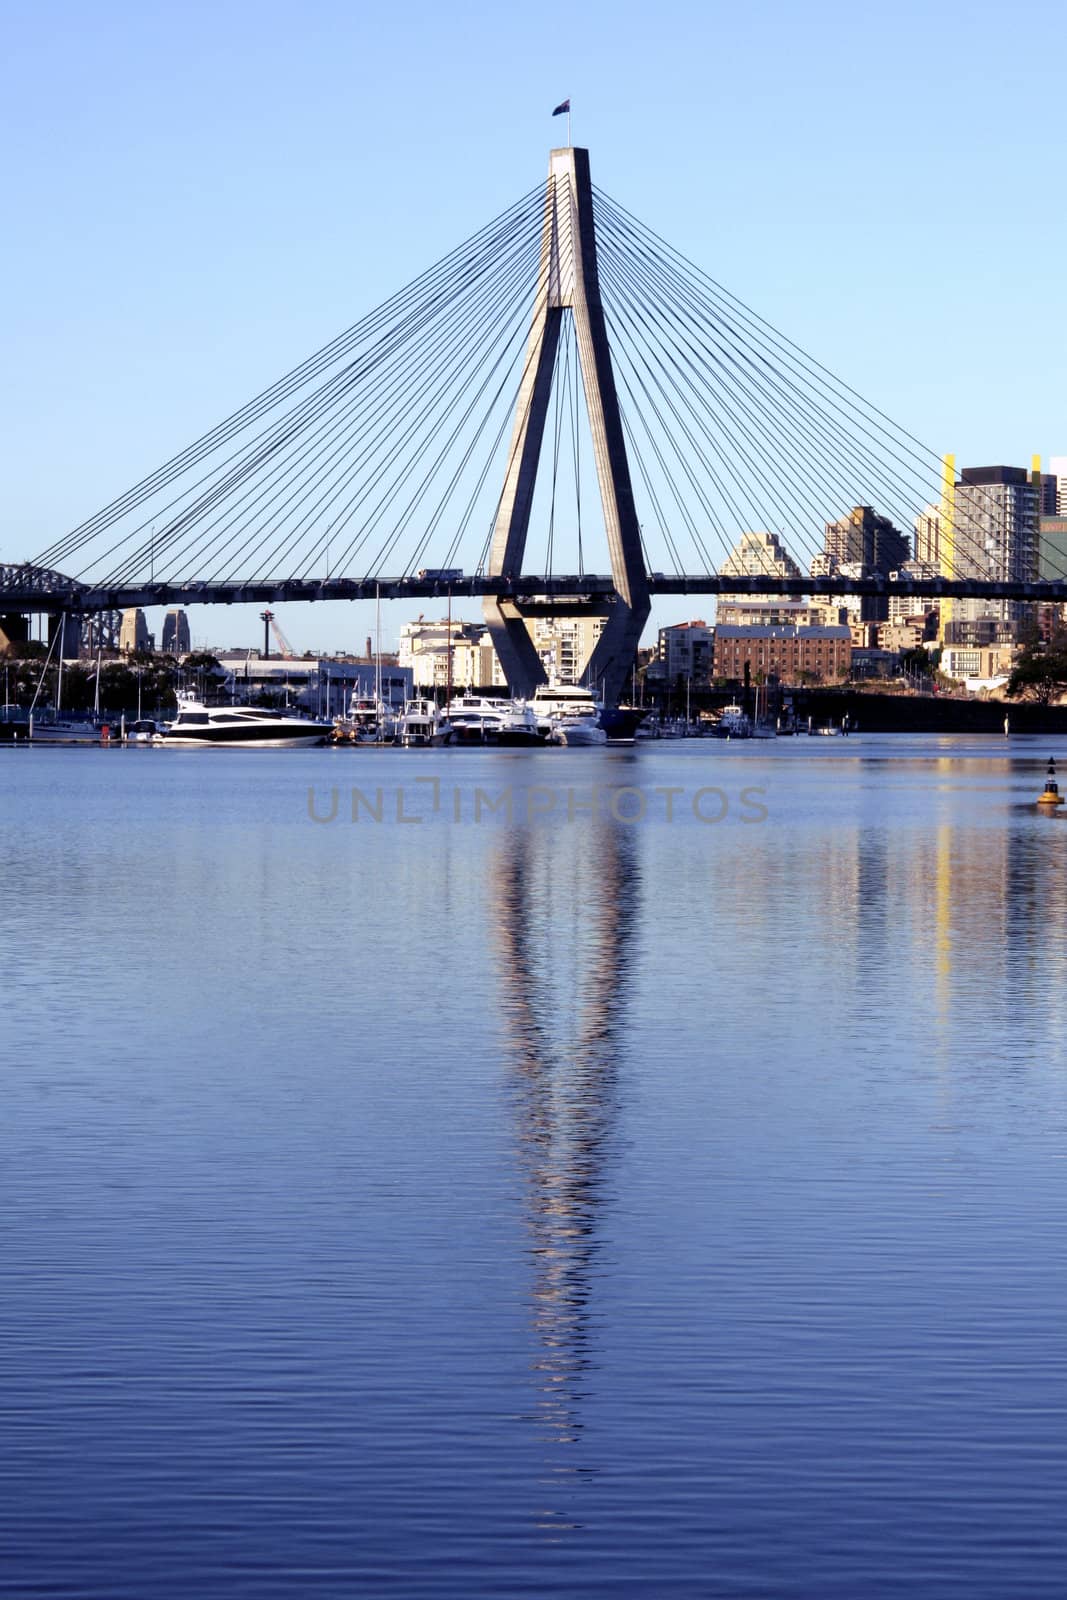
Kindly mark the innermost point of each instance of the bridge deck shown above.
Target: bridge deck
(28, 593)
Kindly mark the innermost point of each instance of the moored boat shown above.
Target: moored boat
(245, 727)
(479, 719)
(569, 714)
(368, 720)
(732, 724)
(418, 723)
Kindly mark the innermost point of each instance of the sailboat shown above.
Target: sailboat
(53, 728)
(762, 729)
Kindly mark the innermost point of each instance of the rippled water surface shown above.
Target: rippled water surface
(666, 1201)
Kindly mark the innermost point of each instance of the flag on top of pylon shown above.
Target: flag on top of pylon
(564, 105)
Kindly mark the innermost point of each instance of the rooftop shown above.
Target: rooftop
(766, 630)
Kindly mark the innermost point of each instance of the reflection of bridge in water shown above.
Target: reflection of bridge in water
(417, 436)
(562, 939)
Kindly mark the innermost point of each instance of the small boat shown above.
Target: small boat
(144, 731)
(732, 724)
(63, 730)
(575, 732)
(620, 723)
(14, 723)
(247, 727)
(368, 720)
(418, 723)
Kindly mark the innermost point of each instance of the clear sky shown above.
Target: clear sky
(198, 195)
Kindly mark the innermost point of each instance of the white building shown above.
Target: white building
(564, 645)
(425, 647)
(976, 667)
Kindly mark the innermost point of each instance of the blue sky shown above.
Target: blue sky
(199, 195)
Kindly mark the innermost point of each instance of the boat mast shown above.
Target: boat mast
(448, 668)
(378, 657)
(44, 669)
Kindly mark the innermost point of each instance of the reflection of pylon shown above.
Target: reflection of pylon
(568, 277)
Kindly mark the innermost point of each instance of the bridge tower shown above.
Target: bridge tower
(568, 278)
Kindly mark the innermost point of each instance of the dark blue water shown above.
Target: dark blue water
(672, 1206)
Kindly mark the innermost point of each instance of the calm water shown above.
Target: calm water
(668, 1207)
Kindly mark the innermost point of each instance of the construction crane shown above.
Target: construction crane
(270, 626)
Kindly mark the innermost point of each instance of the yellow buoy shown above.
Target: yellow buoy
(1052, 796)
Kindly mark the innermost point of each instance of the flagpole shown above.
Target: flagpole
(569, 145)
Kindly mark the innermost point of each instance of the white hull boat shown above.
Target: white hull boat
(240, 727)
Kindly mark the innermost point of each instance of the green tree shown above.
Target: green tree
(1040, 672)
(917, 661)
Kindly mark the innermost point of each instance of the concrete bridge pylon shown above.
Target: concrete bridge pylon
(568, 279)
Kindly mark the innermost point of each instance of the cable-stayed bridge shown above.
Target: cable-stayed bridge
(561, 388)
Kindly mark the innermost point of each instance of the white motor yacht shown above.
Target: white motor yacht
(245, 726)
(479, 719)
(571, 713)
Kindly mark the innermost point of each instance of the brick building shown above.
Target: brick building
(790, 655)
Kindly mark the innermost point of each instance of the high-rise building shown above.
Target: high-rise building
(133, 632)
(176, 633)
(863, 538)
(565, 644)
(994, 536)
(932, 545)
(1057, 473)
(909, 607)
(1052, 548)
(685, 651)
(760, 555)
(862, 544)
